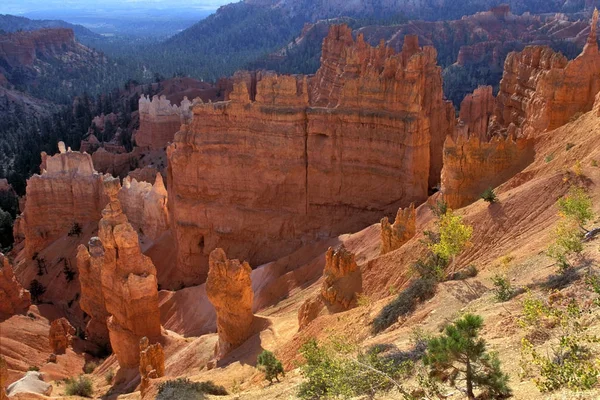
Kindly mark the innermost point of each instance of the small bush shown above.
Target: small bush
(569, 146)
(594, 163)
(36, 289)
(81, 386)
(270, 365)
(489, 195)
(406, 302)
(67, 271)
(549, 158)
(439, 208)
(502, 288)
(454, 237)
(109, 376)
(75, 230)
(184, 389)
(469, 272)
(90, 366)
(331, 372)
(33, 368)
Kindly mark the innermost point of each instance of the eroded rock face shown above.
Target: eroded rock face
(342, 280)
(128, 284)
(308, 312)
(68, 191)
(152, 363)
(291, 158)
(3, 378)
(89, 265)
(393, 236)
(229, 289)
(472, 165)
(13, 298)
(60, 335)
(541, 90)
(146, 206)
(475, 112)
(160, 120)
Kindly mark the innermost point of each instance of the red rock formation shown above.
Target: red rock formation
(229, 289)
(89, 265)
(129, 287)
(68, 191)
(160, 121)
(308, 312)
(343, 280)
(403, 229)
(541, 90)
(472, 165)
(3, 378)
(13, 298)
(152, 363)
(146, 206)
(286, 161)
(22, 48)
(60, 335)
(475, 112)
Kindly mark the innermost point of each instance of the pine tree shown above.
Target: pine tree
(271, 366)
(459, 354)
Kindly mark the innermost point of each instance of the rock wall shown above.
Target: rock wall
(3, 378)
(472, 165)
(541, 90)
(229, 289)
(289, 159)
(146, 206)
(159, 120)
(22, 48)
(13, 298)
(68, 191)
(342, 280)
(393, 236)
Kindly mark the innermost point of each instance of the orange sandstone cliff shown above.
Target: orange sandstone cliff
(342, 280)
(289, 159)
(13, 298)
(541, 91)
(393, 236)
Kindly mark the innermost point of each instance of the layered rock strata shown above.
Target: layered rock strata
(89, 265)
(342, 280)
(229, 289)
(68, 191)
(60, 335)
(393, 236)
(146, 206)
(13, 298)
(289, 159)
(160, 120)
(129, 286)
(152, 363)
(541, 90)
(308, 312)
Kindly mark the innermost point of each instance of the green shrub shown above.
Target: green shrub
(335, 373)
(569, 146)
(460, 355)
(75, 230)
(454, 237)
(571, 362)
(466, 273)
(270, 365)
(502, 288)
(36, 289)
(439, 208)
(33, 368)
(577, 206)
(418, 291)
(90, 366)
(489, 195)
(184, 389)
(549, 158)
(81, 386)
(109, 376)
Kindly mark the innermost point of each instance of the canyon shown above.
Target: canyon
(271, 223)
(324, 137)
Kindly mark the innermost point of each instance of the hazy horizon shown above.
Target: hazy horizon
(55, 7)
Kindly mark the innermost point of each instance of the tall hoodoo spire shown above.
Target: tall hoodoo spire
(593, 37)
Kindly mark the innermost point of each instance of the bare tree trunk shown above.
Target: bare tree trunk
(470, 381)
